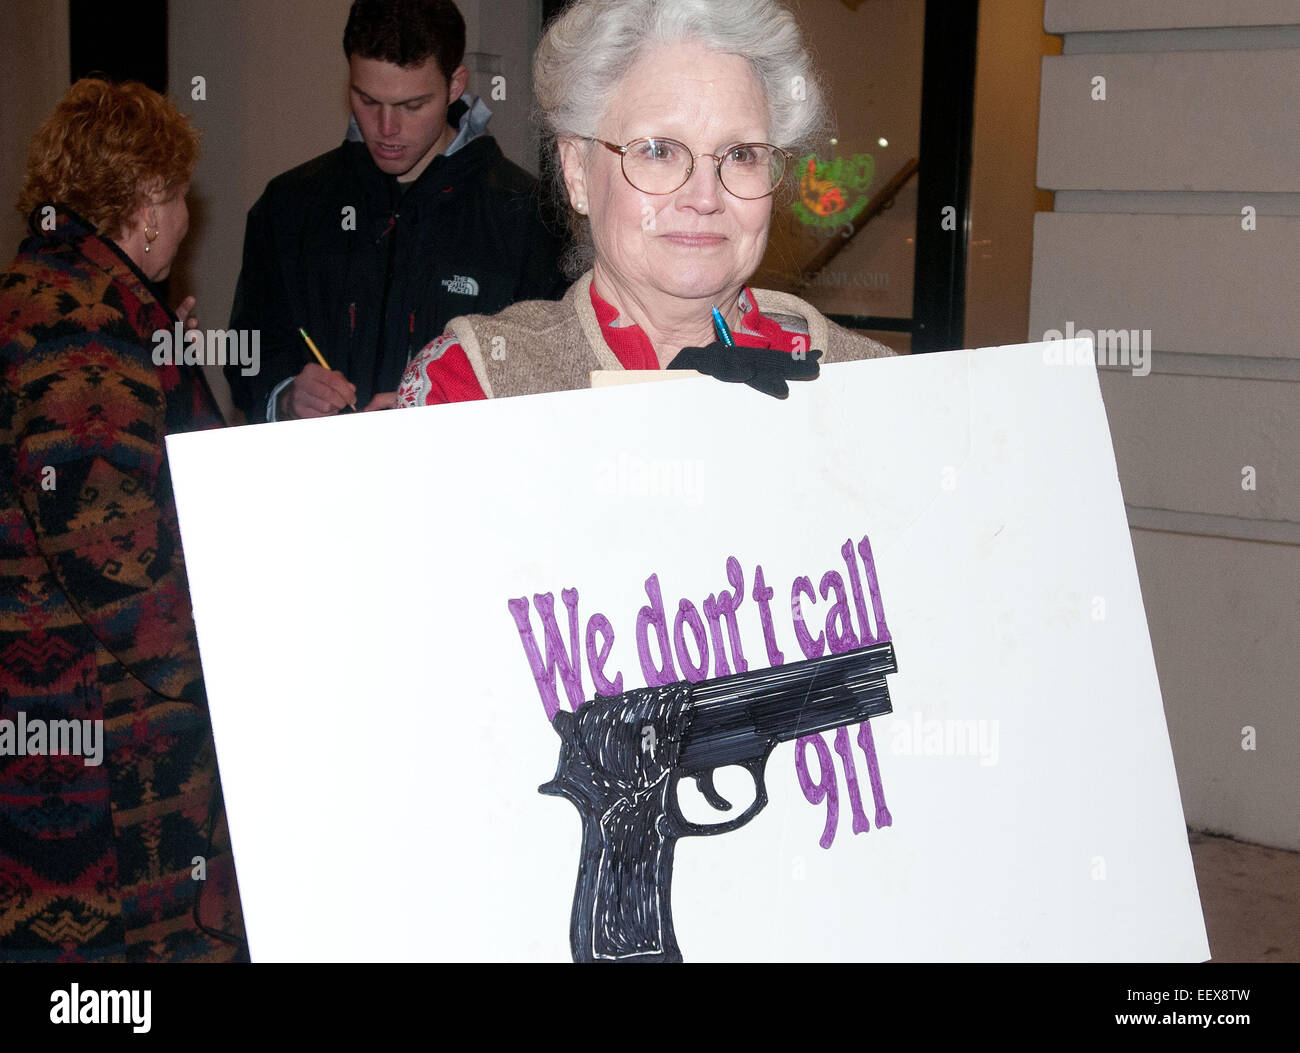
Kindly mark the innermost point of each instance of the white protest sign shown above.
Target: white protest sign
(368, 591)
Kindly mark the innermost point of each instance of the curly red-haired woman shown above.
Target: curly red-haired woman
(112, 836)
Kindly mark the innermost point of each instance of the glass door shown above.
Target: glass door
(872, 227)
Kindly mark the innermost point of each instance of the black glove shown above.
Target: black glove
(761, 368)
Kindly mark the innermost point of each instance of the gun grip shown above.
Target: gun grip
(621, 905)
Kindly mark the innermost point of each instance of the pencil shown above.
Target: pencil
(320, 358)
(314, 349)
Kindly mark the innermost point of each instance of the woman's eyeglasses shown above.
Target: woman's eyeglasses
(660, 166)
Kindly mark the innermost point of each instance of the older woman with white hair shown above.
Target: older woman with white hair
(674, 122)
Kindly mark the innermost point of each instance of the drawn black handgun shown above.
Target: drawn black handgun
(622, 756)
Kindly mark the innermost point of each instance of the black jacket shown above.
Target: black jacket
(467, 237)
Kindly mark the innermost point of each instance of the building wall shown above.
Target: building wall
(1156, 188)
(501, 37)
(29, 91)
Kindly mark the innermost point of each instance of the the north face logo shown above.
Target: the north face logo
(460, 284)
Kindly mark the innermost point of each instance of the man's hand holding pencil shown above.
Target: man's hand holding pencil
(319, 391)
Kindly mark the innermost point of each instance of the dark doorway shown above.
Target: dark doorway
(121, 42)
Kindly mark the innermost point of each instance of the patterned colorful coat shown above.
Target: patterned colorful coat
(100, 862)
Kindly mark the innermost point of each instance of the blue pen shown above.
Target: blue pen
(720, 327)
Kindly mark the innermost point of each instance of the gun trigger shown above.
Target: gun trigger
(704, 780)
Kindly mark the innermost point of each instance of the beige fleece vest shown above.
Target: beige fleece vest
(544, 345)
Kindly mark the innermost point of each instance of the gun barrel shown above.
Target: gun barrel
(739, 717)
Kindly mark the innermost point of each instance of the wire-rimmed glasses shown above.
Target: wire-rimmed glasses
(655, 165)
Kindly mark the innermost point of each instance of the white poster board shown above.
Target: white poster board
(382, 736)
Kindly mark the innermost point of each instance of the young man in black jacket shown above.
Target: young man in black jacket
(372, 247)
